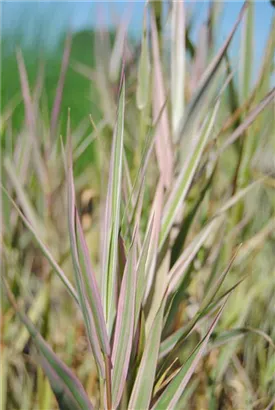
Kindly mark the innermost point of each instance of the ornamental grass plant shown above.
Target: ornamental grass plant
(138, 243)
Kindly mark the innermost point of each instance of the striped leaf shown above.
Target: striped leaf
(251, 116)
(163, 143)
(44, 249)
(183, 182)
(143, 77)
(198, 101)
(177, 64)
(112, 217)
(118, 48)
(178, 270)
(172, 394)
(60, 85)
(68, 390)
(124, 329)
(141, 266)
(31, 123)
(92, 290)
(89, 319)
(144, 382)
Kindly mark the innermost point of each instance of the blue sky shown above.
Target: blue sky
(27, 18)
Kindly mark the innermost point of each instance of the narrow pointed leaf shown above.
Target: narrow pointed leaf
(64, 383)
(174, 391)
(139, 180)
(92, 290)
(210, 295)
(236, 333)
(177, 64)
(238, 196)
(110, 257)
(163, 143)
(246, 54)
(180, 267)
(60, 85)
(153, 249)
(143, 258)
(208, 304)
(22, 197)
(80, 283)
(183, 182)
(8, 111)
(31, 122)
(198, 100)
(44, 249)
(124, 329)
(143, 77)
(187, 221)
(251, 116)
(117, 52)
(144, 383)
(64, 397)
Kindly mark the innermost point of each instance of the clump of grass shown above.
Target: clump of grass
(175, 204)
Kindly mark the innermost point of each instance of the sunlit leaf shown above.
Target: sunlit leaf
(143, 386)
(124, 329)
(113, 217)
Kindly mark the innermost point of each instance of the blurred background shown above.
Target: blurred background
(40, 30)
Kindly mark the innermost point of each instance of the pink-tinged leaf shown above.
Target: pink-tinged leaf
(23, 198)
(139, 180)
(118, 48)
(112, 218)
(213, 290)
(135, 191)
(133, 204)
(80, 284)
(179, 269)
(31, 122)
(198, 101)
(163, 142)
(128, 187)
(178, 337)
(144, 68)
(45, 251)
(39, 84)
(60, 86)
(92, 290)
(177, 64)
(208, 304)
(144, 382)
(269, 98)
(173, 392)
(63, 394)
(124, 329)
(183, 182)
(151, 261)
(141, 266)
(246, 54)
(200, 58)
(66, 386)
(30, 119)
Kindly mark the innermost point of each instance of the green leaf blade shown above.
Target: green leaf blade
(124, 330)
(143, 387)
(112, 219)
